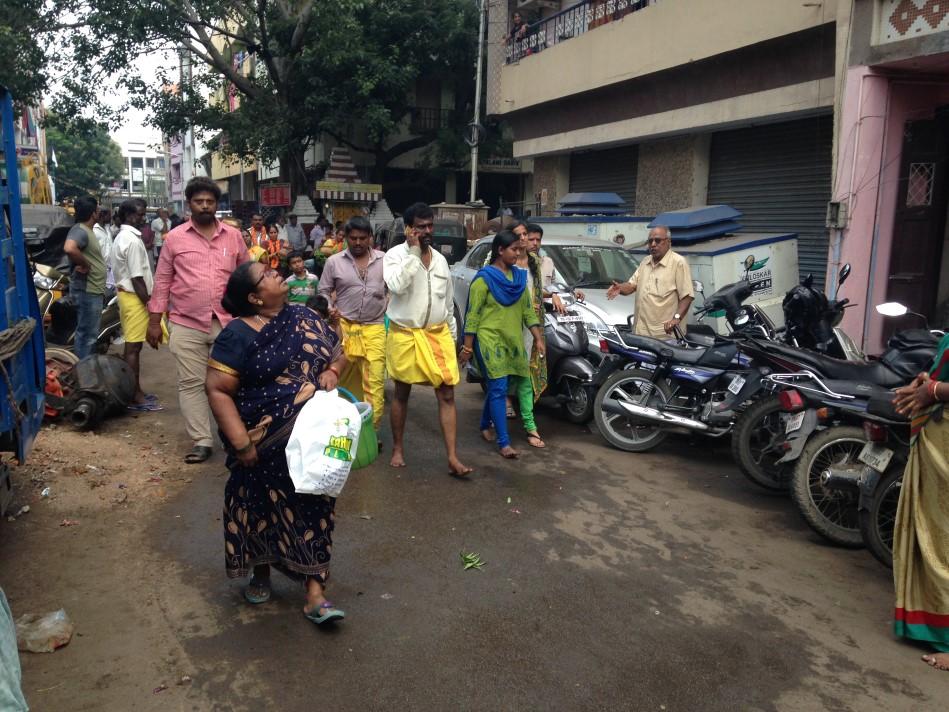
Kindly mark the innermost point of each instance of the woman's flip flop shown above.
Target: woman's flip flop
(532, 437)
(332, 613)
(257, 592)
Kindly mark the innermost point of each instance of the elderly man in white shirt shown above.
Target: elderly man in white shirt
(420, 346)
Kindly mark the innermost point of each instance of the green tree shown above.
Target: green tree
(88, 159)
(23, 64)
(315, 68)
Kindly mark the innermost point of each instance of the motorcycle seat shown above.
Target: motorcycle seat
(873, 372)
(682, 354)
(858, 389)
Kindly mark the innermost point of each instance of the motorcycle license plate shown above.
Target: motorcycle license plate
(569, 317)
(876, 456)
(736, 384)
(794, 422)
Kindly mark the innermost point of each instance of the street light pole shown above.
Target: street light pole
(477, 102)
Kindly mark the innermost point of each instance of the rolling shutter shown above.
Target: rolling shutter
(779, 176)
(612, 170)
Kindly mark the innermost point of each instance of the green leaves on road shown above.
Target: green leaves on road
(472, 561)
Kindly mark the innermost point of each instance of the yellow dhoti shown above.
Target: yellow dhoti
(365, 372)
(134, 318)
(424, 356)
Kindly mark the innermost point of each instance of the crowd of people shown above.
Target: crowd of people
(255, 334)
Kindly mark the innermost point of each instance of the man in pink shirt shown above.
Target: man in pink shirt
(196, 260)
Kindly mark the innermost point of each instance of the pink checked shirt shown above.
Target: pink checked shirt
(192, 274)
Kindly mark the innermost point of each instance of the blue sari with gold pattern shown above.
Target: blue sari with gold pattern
(265, 521)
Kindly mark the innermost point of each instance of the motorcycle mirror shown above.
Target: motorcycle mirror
(698, 286)
(844, 273)
(892, 309)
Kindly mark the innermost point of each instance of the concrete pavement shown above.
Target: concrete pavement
(613, 581)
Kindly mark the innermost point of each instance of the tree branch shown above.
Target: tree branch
(404, 147)
(346, 142)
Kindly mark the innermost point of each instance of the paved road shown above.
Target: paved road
(613, 581)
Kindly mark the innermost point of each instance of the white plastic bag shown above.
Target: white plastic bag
(43, 634)
(323, 444)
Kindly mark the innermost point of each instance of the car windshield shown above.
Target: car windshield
(591, 266)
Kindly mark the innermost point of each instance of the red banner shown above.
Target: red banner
(274, 195)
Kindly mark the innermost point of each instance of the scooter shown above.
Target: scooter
(570, 375)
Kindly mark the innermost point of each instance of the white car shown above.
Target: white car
(583, 263)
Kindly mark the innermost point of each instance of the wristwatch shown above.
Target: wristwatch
(677, 317)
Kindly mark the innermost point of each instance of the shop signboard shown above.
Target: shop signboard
(275, 195)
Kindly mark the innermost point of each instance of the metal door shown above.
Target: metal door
(611, 170)
(779, 176)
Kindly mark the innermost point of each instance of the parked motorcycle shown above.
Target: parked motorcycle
(880, 484)
(60, 313)
(650, 387)
(760, 443)
(827, 429)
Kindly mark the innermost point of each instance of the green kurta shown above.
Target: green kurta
(499, 331)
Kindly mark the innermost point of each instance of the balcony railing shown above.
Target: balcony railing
(569, 23)
(428, 120)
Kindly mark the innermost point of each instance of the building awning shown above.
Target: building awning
(351, 192)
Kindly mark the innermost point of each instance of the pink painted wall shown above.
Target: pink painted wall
(874, 112)
(861, 133)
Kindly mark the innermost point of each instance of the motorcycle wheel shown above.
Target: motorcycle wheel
(756, 445)
(878, 520)
(579, 408)
(831, 513)
(626, 433)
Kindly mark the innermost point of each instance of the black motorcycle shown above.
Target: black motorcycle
(827, 437)
(760, 443)
(651, 387)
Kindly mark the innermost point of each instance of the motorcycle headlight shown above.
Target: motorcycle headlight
(42, 282)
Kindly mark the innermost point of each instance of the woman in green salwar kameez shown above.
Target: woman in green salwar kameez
(499, 307)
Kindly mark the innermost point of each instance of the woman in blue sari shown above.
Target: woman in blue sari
(265, 365)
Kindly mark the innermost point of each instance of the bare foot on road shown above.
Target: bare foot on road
(940, 661)
(509, 453)
(458, 469)
(487, 435)
(397, 459)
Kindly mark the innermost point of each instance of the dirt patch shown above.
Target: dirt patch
(129, 460)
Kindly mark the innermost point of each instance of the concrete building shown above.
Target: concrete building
(145, 154)
(783, 110)
(675, 103)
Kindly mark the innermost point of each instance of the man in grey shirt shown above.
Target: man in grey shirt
(355, 278)
(295, 235)
(87, 283)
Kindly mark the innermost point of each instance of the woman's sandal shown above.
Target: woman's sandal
(257, 591)
(533, 439)
(332, 613)
(198, 454)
